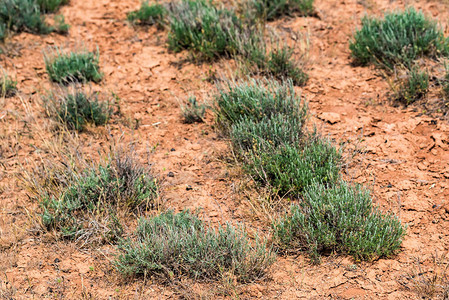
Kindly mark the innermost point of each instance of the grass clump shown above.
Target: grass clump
(50, 6)
(71, 67)
(193, 112)
(265, 121)
(341, 219)
(204, 28)
(173, 245)
(148, 14)
(272, 9)
(413, 87)
(22, 15)
(84, 201)
(398, 39)
(75, 109)
(7, 86)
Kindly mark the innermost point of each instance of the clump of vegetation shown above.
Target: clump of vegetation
(50, 6)
(172, 245)
(204, 28)
(398, 39)
(7, 86)
(273, 9)
(27, 15)
(193, 112)
(339, 218)
(148, 14)
(81, 66)
(265, 121)
(75, 109)
(413, 87)
(83, 201)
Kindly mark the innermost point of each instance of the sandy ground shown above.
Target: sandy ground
(404, 156)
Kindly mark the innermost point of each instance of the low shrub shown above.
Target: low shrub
(71, 67)
(172, 245)
(413, 87)
(75, 109)
(193, 112)
(83, 201)
(7, 85)
(148, 14)
(398, 39)
(50, 6)
(273, 9)
(339, 218)
(204, 28)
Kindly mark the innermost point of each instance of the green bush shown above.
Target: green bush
(172, 245)
(7, 86)
(22, 15)
(85, 203)
(280, 64)
(50, 6)
(202, 27)
(70, 67)
(398, 39)
(148, 14)
(76, 109)
(273, 9)
(193, 112)
(290, 169)
(341, 219)
(413, 87)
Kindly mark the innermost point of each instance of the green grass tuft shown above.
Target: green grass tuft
(7, 86)
(341, 219)
(413, 87)
(193, 112)
(272, 9)
(76, 109)
(50, 6)
(203, 28)
(148, 14)
(71, 67)
(398, 39)
(83, 201)
(172, 245)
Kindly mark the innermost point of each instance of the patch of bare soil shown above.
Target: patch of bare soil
(403, 156)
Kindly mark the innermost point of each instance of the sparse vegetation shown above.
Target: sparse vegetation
(339, 218)
(398, 39)
(148, 14)
(81, 66)
(172, 245)
(84, 201)
(273, 9)
(75, 109)
(7, 85)
(413, 87)
(204, 28)
(193, 112)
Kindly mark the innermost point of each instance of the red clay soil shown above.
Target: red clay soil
(404, 161)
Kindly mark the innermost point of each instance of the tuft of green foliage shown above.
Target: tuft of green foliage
(204, 28)
(398, 39)
(272, 9)
(76, 109)
(50, 6)
(413, 87)
(265, 121)
(148, 14)
(193, 112)
(84, 203)
(172, 245)
(7, 86)
(341, 219)
(65, 68)
(21, 15)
